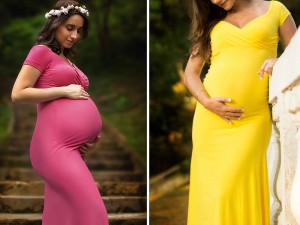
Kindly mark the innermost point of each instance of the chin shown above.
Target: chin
(68, 46)
(227, 6)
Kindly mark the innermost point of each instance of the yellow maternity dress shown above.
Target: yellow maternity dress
(229, 180)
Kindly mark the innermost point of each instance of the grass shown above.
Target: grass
(122, 99)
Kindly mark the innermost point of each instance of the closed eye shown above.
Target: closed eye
(72, 27)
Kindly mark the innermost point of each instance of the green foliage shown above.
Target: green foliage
(169, 48)
(122, 100)
(169, 26)
(127, 35)
(125, 61)
(16, 40)
(128, 26)
(15, 9)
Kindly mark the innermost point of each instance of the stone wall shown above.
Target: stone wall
(284, 149)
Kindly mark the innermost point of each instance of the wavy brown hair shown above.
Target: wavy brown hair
(204, 16)
(47, 35)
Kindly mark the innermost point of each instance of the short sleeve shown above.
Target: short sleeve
(39, 57)
(281, 11)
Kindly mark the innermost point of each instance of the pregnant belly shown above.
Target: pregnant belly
(71, 122)
(243, 86)
(234, 74)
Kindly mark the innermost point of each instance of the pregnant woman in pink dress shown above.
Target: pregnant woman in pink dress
(68, 122)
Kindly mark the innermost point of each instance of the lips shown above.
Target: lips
(70, 42)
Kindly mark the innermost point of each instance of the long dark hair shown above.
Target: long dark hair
(204, 16)
(47, 35)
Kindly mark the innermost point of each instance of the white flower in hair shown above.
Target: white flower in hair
(65, 11)
(57, 13)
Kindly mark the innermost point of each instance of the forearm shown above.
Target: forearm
(196, 88)
(192, 80)
(38, 95)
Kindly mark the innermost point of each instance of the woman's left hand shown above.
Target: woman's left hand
(267, 67)
(89, 146)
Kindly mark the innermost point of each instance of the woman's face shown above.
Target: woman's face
(68, 33)
(225, 4)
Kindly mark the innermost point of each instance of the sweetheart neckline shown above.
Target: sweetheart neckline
(251, 21)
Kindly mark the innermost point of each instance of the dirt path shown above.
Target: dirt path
(171, 209)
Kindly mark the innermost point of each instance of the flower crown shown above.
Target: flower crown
(65, 11)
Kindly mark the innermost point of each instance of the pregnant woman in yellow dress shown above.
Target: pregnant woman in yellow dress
(232, 121)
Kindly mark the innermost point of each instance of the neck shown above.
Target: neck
(62, 55)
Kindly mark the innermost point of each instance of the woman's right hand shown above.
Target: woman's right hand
(218, 106)
(75, 91)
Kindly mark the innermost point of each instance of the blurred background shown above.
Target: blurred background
(114, 57)
(172, 109)
(171, 105)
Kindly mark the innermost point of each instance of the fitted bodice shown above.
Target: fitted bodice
(69, 121)
(238, 54)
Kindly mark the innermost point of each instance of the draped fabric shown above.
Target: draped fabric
(63, 125)
(229, 180)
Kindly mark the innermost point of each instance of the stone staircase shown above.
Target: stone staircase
(122, 182)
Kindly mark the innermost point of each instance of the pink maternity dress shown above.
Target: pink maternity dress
(62, 126)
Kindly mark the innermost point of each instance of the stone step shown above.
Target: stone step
(106, 188)
(108, 155)
(16, 150)
(34, 204)
(36, 219)
(127, 219)
(107, 164)
(113, 164)
(21, 135)
(18, 161)
(123, 188)
(104, 148)
(28, 174)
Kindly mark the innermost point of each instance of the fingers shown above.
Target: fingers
(82, 152)
(267, 67)
(75, 91)
(83, 93)
(262, 70)
(224, 100)
(86, 146)
(97, 139)
(228, 113)
(230, 116)
(233, 115)
(229, 109)
(227, 120)
(89, 146)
